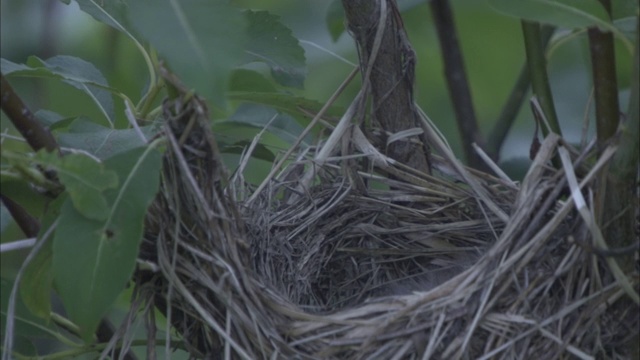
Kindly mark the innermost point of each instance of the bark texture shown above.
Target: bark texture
(391, 77)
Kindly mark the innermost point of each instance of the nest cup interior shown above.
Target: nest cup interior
(335, 247)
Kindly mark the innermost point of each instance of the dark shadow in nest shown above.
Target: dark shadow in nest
(334, 248)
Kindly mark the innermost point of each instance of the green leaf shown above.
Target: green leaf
(273, 44)
(335, 19)
(291, 104)
(109, 12)
(200, 40)
(571, 14)
(37, 281)
(114, 14)
(249, 80)
(93, 260)
(48, 118)
(101, 141)
(7, 67)
(73, 71)
(258, 116)
(26, 323)
(85, 180)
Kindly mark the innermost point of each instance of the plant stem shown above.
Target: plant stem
(387, 62)
(23, 119)
(29, 225)
(620, 185)
(457, 83)
(514, 103)
(603, 65)
(537, 64)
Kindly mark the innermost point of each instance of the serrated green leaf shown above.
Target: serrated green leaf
(73, 71)
(101, 141)
(200, 40)
(273, 44)
(7, 67)
(93, 260)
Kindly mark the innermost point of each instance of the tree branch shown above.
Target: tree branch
(391, 76)
(29, 225)
(23, 119)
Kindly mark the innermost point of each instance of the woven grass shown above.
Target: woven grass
(372, 260)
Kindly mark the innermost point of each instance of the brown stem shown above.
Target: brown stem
(29, 225)
(391, 76)
(23, 119)
(603, 65)
(457, 83)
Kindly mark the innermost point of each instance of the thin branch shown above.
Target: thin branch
(23, 119)
(512, 107)
(537, 63)
(29, 225)
(603, 65)
(457, 82)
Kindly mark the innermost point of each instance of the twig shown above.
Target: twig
(603, 65)
(537, 63)
(23, 119)
(29, 225)
(514, 103)
(457, 83)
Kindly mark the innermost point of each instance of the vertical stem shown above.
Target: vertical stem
(390, 77)
(538, 71)
(618, 190)
(603, 65)
(514, 103)
(457, 83)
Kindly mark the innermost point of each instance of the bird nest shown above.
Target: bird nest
(375, 260)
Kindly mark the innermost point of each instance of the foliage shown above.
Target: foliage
(99, 192)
